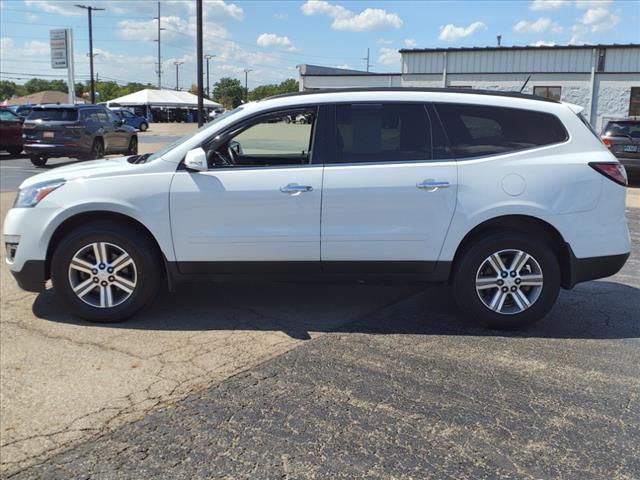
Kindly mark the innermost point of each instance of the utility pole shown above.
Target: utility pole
(199, 52)
(90, 9)
(207, 58)
(159, 57)
(246, 83)
(367, 60)
(177, 64)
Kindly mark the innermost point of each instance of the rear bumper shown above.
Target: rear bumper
(32, 276)
(53, 150)
(580, 270)
(630, 164)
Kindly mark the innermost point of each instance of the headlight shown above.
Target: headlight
(31, 196)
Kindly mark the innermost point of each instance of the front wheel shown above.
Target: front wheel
(507, 280)
(143, 127)
(37, 160)
(105, 272)
(97, 150)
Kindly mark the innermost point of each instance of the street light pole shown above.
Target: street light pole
(89, 9)
(177, 64)
(246, 89)
(207, 58)
(199, 67)
(159, 57)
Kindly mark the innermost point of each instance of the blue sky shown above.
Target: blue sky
(272, 37)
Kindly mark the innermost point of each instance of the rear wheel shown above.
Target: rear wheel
(105, 272)
(507, 280)
(37, 160)
(133, 146)
(97, 150)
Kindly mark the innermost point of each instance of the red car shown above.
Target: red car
(10, 131)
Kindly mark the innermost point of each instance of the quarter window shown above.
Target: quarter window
(476, 131)
(554, 93)
(382, 133)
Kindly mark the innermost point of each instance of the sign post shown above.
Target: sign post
(62, 56)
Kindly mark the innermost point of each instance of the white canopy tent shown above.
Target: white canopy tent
(163, 105)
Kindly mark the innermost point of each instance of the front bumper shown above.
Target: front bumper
(32, 276)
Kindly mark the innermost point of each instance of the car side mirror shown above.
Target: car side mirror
(196, 160)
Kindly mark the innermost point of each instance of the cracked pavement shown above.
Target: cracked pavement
(310, 381)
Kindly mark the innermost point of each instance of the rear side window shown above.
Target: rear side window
(383, 133)
(477, 130)
(54, 114)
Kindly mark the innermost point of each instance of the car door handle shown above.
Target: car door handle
(294, 189)
(432, 185)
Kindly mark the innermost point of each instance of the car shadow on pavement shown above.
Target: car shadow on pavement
(594, 310)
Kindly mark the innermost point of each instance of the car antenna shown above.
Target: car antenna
(525, 83)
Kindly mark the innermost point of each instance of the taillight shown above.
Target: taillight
(608, 143)
(612, 170)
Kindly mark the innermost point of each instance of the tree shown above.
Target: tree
(194, 89)
(106, 91)
(262, 91)
(229, 92)
(10, 89)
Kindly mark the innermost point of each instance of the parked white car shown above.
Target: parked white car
(507, 197)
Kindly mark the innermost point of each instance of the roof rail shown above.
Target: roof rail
(469, 91)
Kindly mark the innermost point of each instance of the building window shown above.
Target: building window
(634, 103)
(548, 92)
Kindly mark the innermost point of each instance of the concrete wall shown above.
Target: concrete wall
(310, 82)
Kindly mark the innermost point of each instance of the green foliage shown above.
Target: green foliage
(288, 86)
(229, 92)
(10, 89)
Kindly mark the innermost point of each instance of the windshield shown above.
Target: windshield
(56, 114)
(181, 140)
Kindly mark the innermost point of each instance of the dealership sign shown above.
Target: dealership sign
(59, 48)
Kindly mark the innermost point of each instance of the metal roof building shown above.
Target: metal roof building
(604, 79)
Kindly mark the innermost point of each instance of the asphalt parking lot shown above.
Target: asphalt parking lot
(330, 381)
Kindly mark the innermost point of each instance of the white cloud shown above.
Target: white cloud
(451, 33)
(592, 3)
(344, 66)
(384, 41)
(541, 25)
(389, 56)
(410, 43)
(345, 19)
(543, 43)
(548, 5)
(67, 9)
(273, 40)
(599, 20)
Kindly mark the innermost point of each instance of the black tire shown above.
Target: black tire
(97, 150)
(133, 146)
(474, 256)
(141, 250)
(38, 161)
(143, 127)
(14, 150)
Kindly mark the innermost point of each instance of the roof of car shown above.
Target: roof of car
(67, 105)
(468, 91)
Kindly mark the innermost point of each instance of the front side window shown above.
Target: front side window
(276, 139)
(553, 93)
(7, 116)
(383, 133)
(478, 130)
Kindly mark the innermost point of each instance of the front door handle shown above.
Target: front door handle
(294, 189)
(432, 185)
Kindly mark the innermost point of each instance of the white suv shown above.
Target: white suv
(507, 197)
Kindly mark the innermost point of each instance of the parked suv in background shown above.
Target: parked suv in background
(507, 197)
(77, 131)
(131, 119)
(622, 138)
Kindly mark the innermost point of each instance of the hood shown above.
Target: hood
(92, 169)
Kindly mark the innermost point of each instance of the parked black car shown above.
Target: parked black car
(622, 137)
(77, 131)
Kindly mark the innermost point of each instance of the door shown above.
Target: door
(257, 208)
(389, 190)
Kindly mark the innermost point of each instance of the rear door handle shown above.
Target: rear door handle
(432, 185)
(294, 189)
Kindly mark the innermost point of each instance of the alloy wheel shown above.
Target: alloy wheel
(102, 275)
(509, 281)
